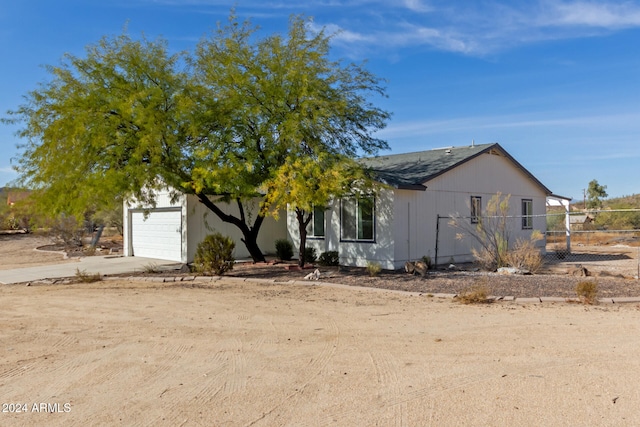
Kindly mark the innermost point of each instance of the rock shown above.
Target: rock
(579, 271)
(421, 268)
(313, 276)
(409, 267)
(512, 270)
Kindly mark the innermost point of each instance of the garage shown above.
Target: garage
(158, 235)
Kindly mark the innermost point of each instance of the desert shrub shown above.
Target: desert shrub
(525, 255)
(476, 294)
(310, 255)
(587, 291)
(484, 258)
(214, 255)
(329, 258)
(373, 268)
(284, 249)
(151, 268)
(67, 230)
(491, 232)
(85, 277)
(427, 260)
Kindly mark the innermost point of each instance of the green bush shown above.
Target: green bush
(427, 260)
(310, 255)
(329, 258)
(284, 249)
(214, 255)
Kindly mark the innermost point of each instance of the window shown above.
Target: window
(357, 218)
(476, 208)
(527, 214)
(316, 226)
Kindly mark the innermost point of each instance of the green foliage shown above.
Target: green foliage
(67, 230)
(284, 249)
(310, 254)
(373, 268)
(618, 220)
(112, 217)
(130, 117)
(427, 261)
(587, 291)
(595, 194)
(329, 258)
(214, 255)
(556, 221)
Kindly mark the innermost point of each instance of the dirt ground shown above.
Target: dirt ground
(19, 250)
(138, 353)
(122, 352)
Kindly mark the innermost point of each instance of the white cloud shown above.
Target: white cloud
(483, 27)
(594, 14)
(417, 6)
(473, 28)
(431, 127)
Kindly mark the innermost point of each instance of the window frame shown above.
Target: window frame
(527, 214)
(357, 219)
(475, 209)
(311, 228)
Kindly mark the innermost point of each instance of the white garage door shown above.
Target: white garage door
(157, 236)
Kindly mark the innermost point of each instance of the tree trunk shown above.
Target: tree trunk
(96, 238)
(250, 234)
(302, 229)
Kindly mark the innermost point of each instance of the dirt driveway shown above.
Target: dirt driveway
(144, 353)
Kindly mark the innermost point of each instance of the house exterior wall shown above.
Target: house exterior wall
(198, 221)
(450, 194)
(407, 220)
(353, 253)
(201, 222)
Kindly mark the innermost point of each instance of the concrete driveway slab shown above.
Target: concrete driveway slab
(94, 264)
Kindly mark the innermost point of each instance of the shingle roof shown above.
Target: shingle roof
(413, 170)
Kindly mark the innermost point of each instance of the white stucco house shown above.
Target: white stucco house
(404, 221)
(171, 230)
(408, 219)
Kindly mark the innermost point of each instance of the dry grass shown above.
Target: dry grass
(525, 256)
(476, 294)
(587, 291)
(84, 277)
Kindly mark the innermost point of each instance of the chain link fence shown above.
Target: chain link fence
(600, 242)
(605, 242)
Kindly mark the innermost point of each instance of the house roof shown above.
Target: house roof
(412, 171)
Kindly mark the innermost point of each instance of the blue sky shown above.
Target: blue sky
(556, 83)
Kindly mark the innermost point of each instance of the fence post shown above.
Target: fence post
(567, 224)
(435, 261)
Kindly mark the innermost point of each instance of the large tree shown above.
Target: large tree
(130, 117)
(595, 194)
(305, 184)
